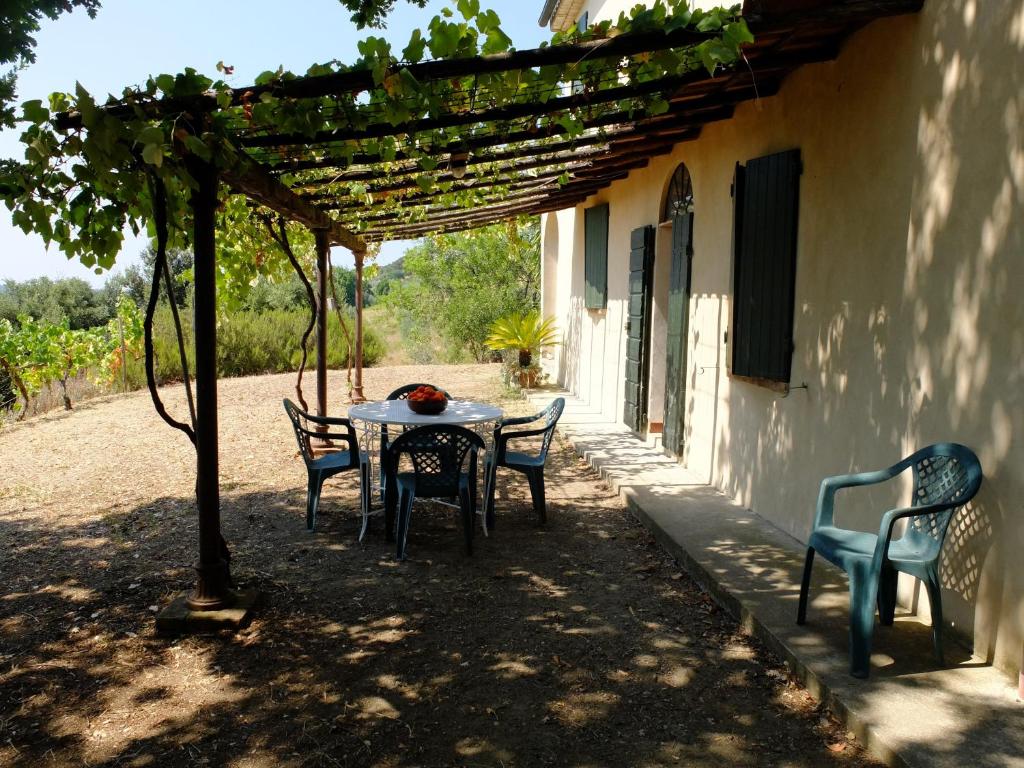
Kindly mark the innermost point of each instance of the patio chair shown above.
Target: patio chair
(319, 468)
(402, 393)
(531, 465)
(437, 455)
(946, 476)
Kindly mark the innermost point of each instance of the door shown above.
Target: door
(638, 321)
(678, 317)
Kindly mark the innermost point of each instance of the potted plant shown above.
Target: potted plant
(524, 335)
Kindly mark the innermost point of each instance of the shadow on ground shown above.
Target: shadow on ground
(575, 644)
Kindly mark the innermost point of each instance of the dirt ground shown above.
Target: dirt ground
(576, 644)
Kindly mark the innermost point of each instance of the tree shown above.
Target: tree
(53, 301)
(457, 285)
(19, 21)
(372, 13)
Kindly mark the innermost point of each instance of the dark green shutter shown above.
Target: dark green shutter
(767, 195)
(595, 256)
(638, 320)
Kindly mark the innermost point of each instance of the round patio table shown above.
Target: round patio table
(368, 419)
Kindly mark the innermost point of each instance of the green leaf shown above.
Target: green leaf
(165, 83)
(35, 112)
(468, 8)
(151, 134)
(198, 147)
(153, 154)
(413, 52)
(738, 33)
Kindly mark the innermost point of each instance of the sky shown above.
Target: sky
(129, 40)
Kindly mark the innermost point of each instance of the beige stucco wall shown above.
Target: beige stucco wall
(909, 327)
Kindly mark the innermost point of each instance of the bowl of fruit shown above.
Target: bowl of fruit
(427, 401)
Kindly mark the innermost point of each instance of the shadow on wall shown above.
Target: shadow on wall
(569, 359)
(917, 335)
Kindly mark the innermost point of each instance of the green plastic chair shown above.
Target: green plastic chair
(320, 468)
(946, 476)
(438, 455)
(531, 465)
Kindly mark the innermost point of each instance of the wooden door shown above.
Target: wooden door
(678, 317)
(638, 322)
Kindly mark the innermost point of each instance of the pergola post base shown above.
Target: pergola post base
(180, 619)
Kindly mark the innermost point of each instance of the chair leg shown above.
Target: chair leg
(935, 600)
(491, 470)
(313, 499)
(805, 587)
(404, 515)
(390, 493)
(536, 479)
(863, 594)
(466, 507)
(887, 583)
(364, 498)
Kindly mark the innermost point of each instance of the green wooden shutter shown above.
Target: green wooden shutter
(595, 256)
(767, 195)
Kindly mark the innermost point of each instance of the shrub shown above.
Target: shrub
(250, 343)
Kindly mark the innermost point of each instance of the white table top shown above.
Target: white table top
(398, 412)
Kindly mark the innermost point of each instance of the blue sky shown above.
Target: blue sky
(132, 39)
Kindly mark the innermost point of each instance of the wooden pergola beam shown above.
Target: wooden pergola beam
(520, 183)
(255, 183)
(480, 217)
(491, 115)
(535, 157)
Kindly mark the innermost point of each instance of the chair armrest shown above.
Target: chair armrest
(893, 516)
(328, 421)
(506, 436)
(824, 513)
(517, 420)
(348, 436)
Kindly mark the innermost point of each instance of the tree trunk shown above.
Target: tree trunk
(64, 394)
(525, 358)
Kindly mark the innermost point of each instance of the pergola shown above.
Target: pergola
(505, 160)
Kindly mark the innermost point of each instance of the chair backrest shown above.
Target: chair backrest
(307, 428)
(299, 421)
(551, 416)
(944, 473)
(403, 392)
(437, 453)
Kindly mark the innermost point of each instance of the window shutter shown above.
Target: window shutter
(767, 198)
(595, 256)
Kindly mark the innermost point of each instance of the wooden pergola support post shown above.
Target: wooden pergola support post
(357, 382)
(213, 584)
(323, 246)
(213, 604)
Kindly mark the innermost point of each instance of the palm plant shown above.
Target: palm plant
(527, 333)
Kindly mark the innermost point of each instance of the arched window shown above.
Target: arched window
(679, 199)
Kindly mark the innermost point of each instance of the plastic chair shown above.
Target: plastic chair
(403, 392)
(946, 476)
(437, 455)
(531, 465)
(330, 464)
(390, 501)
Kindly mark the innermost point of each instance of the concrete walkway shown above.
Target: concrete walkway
(909, 713)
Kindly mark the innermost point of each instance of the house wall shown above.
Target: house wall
(909, 328)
